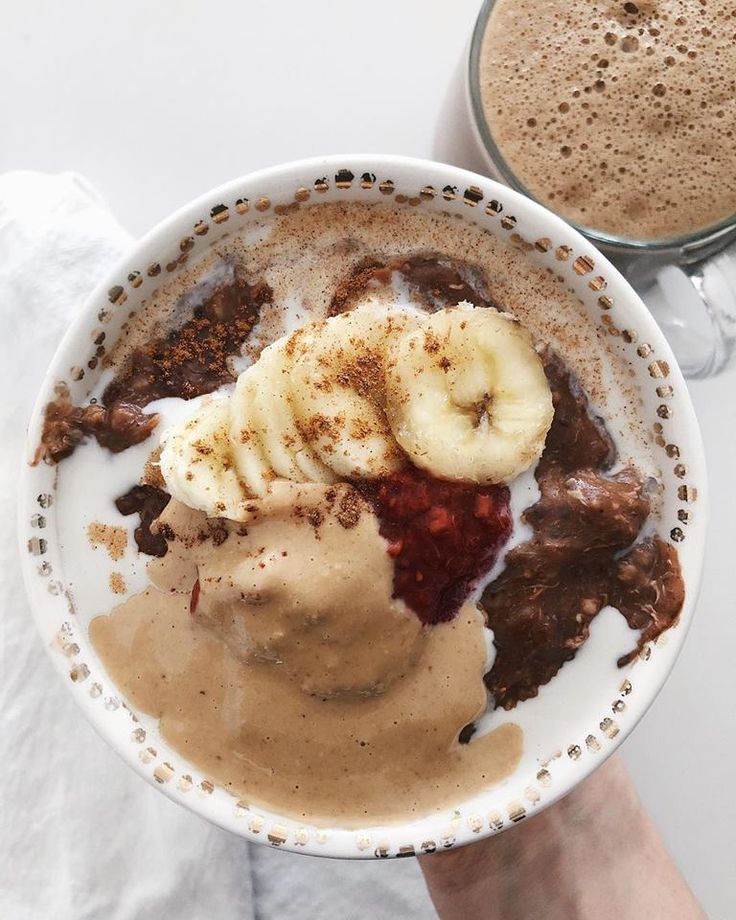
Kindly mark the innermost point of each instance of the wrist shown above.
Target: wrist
(594, 853)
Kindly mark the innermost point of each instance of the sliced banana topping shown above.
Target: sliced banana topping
(282, 444)
(461, 393)
(467, 397)
(197, 463)
(253, 467)
(336, 389)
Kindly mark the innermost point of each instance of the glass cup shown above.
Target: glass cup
(688, 283)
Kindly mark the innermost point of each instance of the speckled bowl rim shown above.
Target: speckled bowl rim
(524, 224)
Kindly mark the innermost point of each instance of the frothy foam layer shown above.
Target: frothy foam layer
(620, 116)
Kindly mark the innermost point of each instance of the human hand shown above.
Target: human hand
(594, 854)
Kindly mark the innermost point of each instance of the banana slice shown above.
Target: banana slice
(250, 460)
(467, 397)
(197, 463)
(336, 389)
(283, 447)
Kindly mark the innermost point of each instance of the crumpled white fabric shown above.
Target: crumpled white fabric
(82, 837)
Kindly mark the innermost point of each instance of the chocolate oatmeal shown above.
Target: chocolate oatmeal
(191, 361)
(147, 502)
(580, 558)
(434, 280)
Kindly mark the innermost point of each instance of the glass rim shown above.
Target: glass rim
(688, 244)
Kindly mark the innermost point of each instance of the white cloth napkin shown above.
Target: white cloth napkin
(82, 837)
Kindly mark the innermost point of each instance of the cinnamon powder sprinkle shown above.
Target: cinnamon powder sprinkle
(368, 273)
(321, 426)
(313, 516)
(193, 359)
(152, 475)
(349, 509)
(360, 429)
(114, 539)
(431, 343)
(117, 583)
(364, 374)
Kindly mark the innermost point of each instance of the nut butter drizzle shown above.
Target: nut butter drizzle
(266, 719)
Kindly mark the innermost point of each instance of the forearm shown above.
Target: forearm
(595, 854)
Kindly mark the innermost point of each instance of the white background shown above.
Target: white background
(157, 102)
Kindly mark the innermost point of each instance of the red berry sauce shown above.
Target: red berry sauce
(194, 599)
(443, 537)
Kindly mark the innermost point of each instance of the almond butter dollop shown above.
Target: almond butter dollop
(291, 675)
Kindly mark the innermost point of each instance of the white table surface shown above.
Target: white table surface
(157, 102)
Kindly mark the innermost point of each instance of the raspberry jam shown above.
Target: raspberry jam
(443, 537)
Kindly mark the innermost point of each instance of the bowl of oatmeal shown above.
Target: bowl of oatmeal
(363, 511)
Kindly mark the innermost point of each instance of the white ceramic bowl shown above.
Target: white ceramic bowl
(589, 715)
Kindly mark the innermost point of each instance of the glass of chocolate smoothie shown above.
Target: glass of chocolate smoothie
(621, 117)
